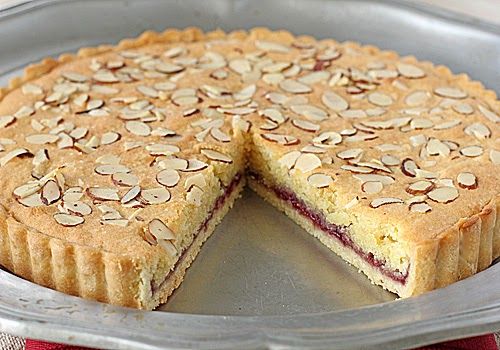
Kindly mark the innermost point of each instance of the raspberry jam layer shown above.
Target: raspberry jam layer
(219, 203)
(339, 232)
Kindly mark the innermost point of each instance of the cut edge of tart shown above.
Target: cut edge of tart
(284, 169)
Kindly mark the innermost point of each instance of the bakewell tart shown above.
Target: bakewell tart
(118, 162)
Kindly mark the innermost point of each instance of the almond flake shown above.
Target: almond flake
(195, 165)
(410, 71)
(168, 68)
(68, 220)
(108, 159)
(147, 91)
(173, 163)
(131, 194)
(26, 189)
(319, 180)
(478, 130)
(138, 128)
(450, 92)
(287, 140)
(194, 195)
(307, 162)
(350, 153)
(420, 187)
(420, 207)
(79, 133)
(463, 108)
(124, 179)
(495, 156)
(103, 193)
(289, 159)
(294, 87)
(104, 76)
(51, 192)
(110, 137)
(334, 101)
(271, 46)
(159, 149)
(305, 125)
(219, 135)
(467, 181)
(77, 208)
(110, 169)
(384, 179)
(435, 147)
(309, 111)
(357, 169)
(155, 195)
(168, 177)
(195, 180)
(443, 194)
(378, 202)
(31, 201)
(380, 99)
(18, 152)
(390, 160)
(408, 167)
(240, 66)
(490, 115)
(353, 113)
(31, 89)
(160, 231)
(471, 151)
(6, 121)
(74, 77)
(372, 187)
(217, 156)
(417, 98)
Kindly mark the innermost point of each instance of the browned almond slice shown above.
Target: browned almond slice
(334, 101)
(319, 180)
(378, 202)
(138, 128)
(189, 112)
(410, 71)
(450, 92)
(194, 195)
(110, 169)
(168, 177)
(51, 192)
(110, 137)
(471, 151)
(68, 220)
(420, 207)
(217, 156)
(467, 180)
(103, 193)
(160, 231)
(31, 201)
(125, 179)
(155, 195)
(77, 208)
(420, 187)
(495, 156)
(26, 189)
(380, 99)
(220, 135)
(478, 130)
(289, 159)
(443, 194)
(6, 120)
(408, 167)
(390, 160)
(294, 87)
(131, 194)
(350, 153)
(372, 187)
(305, 125)
(490, 115)
(307, 162)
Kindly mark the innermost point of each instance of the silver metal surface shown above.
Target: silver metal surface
(260, 281)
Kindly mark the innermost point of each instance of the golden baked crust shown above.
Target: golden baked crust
(262, 83)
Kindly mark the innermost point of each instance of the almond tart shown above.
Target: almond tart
(117, 163)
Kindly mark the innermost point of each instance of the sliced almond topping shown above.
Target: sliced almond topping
(109, 169)
(289, 159)
(309, 111)
(124, 179)
(467, 180)
(159, 149)
(169, 68)
(217, 156)
(384, 179)
(420, 207)
(450, 92)
(77, 208)
(105, 76)
(195, 165)
(168, 177)
(495, 156)
(220, 135)
(240, 66)
(108, 159)
(490, 115)
(160, 231)
(287, 140)
(319, 180)
(471, 151)
(103, 193)
(6, 121)
(305, 125)
(26, 189)
(307, 162)
(420, 187)
(155, 195)
(18, 152)
(68, 220)
(350, 153)
(443, 194)
(138, 128)
(417, 98)
(195, 180)
(194, 195)
(313, 149)
(410, 71)
(372, 187)
(271, 46)
(294, 87)
(463, 108)
(32, 89)
(51, 192)
(390, 160)
(378, 202)
(75, 77)
(131, 194)
(408, 167)
(174, 163)
(435, 147)
(31, 201)
(353, 114)
(334, 101)
(380, 99)
(110, 137)
(478, 130)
